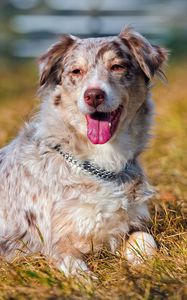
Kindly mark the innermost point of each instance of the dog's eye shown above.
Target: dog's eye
(118, 68)
(76, 72)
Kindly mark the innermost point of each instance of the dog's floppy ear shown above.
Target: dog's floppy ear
(50, 62)
(150, 58)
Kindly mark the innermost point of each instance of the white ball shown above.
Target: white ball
(139, 246)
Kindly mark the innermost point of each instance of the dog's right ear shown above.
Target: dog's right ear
(50, 63)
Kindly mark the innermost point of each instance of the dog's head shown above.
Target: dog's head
(102, 82)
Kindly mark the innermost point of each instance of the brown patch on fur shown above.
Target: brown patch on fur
(149, 57)
(120, 53)
(134, 188)
(52, 59)
(5, 245)
(103, 50)
(11, 241)
(73, 80)
(57, 100)
(34, 198)
(135, 42)
(113, 46)
(31, 218)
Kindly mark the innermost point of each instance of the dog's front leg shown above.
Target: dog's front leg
(71, 265)
(74, 266)
(68, 258)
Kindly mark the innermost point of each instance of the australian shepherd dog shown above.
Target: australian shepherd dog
(70, 182)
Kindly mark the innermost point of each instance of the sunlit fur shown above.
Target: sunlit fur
(47, 204)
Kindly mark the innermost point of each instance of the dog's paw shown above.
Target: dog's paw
(139, 246)
(72, 266)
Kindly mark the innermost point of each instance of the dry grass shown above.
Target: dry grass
(164, 277)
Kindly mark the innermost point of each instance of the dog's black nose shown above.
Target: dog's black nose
(94, 97)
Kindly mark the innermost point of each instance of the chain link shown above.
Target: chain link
(130, 171)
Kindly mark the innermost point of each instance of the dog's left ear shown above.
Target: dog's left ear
(150, 58)
(50, 63)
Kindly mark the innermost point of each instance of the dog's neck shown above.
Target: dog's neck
(130, 172)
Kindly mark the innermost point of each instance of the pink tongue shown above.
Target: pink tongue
(98, 131)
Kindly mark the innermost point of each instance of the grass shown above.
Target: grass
(165, 276)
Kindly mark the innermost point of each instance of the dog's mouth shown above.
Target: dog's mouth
(102, 126)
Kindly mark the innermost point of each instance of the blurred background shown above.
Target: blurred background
(28, 27)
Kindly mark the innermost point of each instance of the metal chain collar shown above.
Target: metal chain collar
(129, 172)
